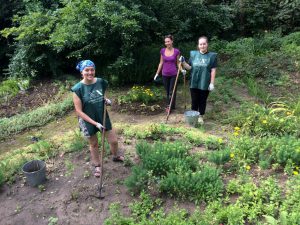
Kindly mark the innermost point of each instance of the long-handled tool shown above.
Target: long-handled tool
(100, 185)
(173, 93)
(184, 91)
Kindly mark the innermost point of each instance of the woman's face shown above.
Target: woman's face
(88, 73)
(168, 42)
(202, 45)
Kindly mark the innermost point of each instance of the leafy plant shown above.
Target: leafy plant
(141, 94)
(172, 170)
(219, 157)
(8, 88)
(277, 118)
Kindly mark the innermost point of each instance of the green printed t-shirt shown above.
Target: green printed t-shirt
(92, 98)
(201, 68)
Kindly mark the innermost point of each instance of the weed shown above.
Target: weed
(18, 209)
(77, 143)
(128, 162)
(52, 220)
(70, 167)
(86, 174)
(41, 188)
(74, 195)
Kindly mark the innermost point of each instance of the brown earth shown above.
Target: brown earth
(70, 197)
(34, 97)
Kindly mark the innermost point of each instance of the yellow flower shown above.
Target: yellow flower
(288, 113)
(295, 172)
(248, 167)
(236, 133)
(264, 121)
(231, 155)
(220, 140)
(237, 128)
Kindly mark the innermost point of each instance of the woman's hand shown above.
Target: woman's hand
(107, 101)
(100, 126)
(211, 87)
(181, 59)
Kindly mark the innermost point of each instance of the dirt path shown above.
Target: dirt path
(69, 195)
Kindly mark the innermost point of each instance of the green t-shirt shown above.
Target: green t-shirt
(201, 68)
(92, 98)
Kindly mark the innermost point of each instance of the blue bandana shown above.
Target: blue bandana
(84, 63)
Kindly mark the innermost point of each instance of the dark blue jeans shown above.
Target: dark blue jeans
(169, 83)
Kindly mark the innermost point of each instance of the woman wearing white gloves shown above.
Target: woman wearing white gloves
(89, 100)
(168, 66)
(202, 64)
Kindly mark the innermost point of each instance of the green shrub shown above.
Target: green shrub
(138, 179)
(256, 200)
(219, 157)
(8, 88)
(270, 57)
(214, 143)
(172, 170)
(277, 118)
(201, 185)
(271, 150)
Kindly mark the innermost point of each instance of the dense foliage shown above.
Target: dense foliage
(49, 37)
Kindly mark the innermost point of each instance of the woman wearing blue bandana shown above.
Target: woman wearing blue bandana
(89, 100)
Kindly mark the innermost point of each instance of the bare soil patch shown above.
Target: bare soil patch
(36, 96)
(68, 195)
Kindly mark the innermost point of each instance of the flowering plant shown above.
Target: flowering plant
(141, 94)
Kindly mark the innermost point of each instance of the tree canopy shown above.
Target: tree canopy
(49, 37)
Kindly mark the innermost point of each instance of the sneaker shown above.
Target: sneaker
(200, 120)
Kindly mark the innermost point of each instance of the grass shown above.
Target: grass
(11, 162)
(38, 117)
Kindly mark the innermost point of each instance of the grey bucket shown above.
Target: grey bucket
(35, 172)
(191, 117)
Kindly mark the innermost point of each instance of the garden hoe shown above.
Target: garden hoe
(179, 69)
(100, 185)
(184, 90)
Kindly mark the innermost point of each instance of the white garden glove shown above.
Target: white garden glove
(100, 127)
(155, 77)
(181, 59)
(107, 101)
(211, 87)
(183, 72)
